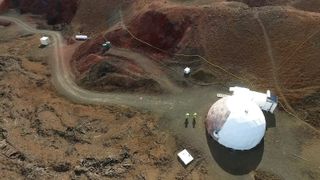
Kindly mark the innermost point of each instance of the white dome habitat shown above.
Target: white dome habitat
(236, 123)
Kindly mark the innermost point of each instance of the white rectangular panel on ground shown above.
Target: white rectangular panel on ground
(185, 157)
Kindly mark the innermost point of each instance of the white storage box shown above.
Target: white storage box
(45, 40)
(187, 71)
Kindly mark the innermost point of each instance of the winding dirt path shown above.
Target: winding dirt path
(273, 62)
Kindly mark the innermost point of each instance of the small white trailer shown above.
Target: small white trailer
(80, 37)
(186, 71)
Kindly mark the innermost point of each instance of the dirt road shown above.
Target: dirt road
(273, 62)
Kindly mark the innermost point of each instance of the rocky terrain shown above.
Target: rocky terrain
(261, 42)
(115, 74)
(44, 136)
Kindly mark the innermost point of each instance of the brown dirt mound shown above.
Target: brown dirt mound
(103, 73)
(92, 46)
(116, 74)
(309, 108)
(94, 16)
(88, 62)
(157, 29)
(264, 175)
(56, 11)
(310, 5)
(259, 3)
(5, 23)
(163, 28)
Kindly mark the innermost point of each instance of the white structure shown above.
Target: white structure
(266, 102)
(185, 157)
(187, 71)
(236, 122)
(44, 40)
(82, 37)
(107, 44)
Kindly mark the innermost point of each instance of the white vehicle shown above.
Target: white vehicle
(81, 37)
(186, 71)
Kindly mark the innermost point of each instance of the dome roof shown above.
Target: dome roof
(236, 123)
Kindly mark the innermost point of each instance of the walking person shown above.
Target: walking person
(186, 122)
(194, 120)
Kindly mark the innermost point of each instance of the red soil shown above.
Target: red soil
(163, 29)
(4, 5)
(91, 46)
(87, 62)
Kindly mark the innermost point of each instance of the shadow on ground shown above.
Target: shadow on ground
(270, 119)
(236, 162)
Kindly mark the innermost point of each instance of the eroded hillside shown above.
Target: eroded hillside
(251, 41)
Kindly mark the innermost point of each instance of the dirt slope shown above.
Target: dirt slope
(55, 11)
(231, 35)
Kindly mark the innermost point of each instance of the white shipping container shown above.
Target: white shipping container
(44, 40)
